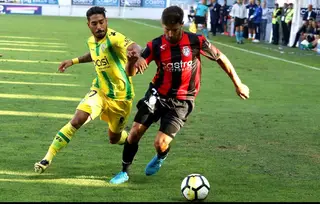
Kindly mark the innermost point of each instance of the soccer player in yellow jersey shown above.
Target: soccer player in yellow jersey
(111, 94)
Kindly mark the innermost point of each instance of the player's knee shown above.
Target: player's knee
(134, 136)
(114, 137)
(77, 122)
(136, 133)
(79, 119)
(160, 145)
(114, 140)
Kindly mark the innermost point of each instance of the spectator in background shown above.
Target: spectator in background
(275, 24)
(283, 17)
(264, 21)
(310, 38)
(257, 17)
(309, 14)
(288, 22)
(302, 29)
(201, 17)
(238, 14)
(316, 44)
(214, 16)
(252, 6)
(224, 13)
(313, 28)
(191, 14)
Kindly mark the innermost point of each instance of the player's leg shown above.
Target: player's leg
(88, 109)
(253, 28)
(237, 33)
(116, 114)
(130, 149)
(171, 123)
(241, 31)
(250, 29)
(196, 22)
(142, 121)
(162, 146)
(204, 27)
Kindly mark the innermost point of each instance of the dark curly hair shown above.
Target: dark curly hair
(96, 10)
(172, 15)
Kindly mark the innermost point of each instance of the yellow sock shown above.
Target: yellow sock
(61, 140)
(123, 137)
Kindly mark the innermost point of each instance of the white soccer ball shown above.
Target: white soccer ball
(195, 187)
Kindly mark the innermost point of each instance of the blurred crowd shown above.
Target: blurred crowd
(249, 20)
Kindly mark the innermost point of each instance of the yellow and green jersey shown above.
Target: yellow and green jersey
(109, 56)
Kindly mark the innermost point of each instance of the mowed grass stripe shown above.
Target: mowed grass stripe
(26, 37)
(36, 114)
(38, 97)
(28, 61)
(33, 73)
(67, 181)
(32, 42)
(30, 50)
(31, 45)
(36, 83)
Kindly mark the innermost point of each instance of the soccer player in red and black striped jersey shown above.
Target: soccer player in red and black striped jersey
(172, 92)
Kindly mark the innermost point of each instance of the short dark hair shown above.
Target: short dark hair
(96, 10)
(172, 15)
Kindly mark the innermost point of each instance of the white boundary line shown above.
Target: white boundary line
(29, 61)
(24, 37)
(36, 83)
(33, 73)
(38, 97)
(241, 49)
(36, 114)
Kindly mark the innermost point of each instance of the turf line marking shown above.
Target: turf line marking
(25, 37)
(241, 49)
(30, 50)
(29, 61)
(66, 181)
(31, 45)
(36, 114)
(31, 42)
(39, 97)
(35, 83)
(33, 73)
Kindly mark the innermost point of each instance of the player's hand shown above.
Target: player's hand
(141, 65)
(132, 55)
(64, 65)
(243, 91)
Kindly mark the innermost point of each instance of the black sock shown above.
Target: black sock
(162, 155)
(129, 151)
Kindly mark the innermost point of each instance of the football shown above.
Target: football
(195, 187)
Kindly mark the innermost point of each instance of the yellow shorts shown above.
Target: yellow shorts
(115, 113)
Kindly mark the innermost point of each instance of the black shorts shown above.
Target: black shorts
(238, 22)
(200, 20)
(257, 27)
(251, 24)
(172, 112)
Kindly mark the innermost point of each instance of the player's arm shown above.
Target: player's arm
(133, 54)
(211, 52)
(132, 49)
(142, 62)
(67, 63)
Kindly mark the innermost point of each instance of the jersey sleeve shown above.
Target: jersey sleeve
(147, 53)
(123, 41)
(208, 50)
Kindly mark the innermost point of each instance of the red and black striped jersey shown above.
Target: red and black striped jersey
(179, 65)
